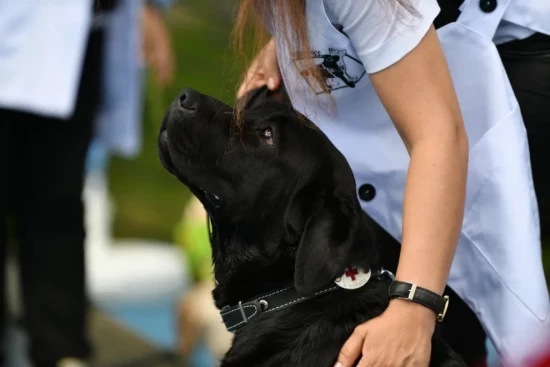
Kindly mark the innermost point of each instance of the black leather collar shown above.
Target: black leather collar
(237, 316)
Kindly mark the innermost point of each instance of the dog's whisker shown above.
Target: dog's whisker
(244, 147)
(231, 148)
(214, 117)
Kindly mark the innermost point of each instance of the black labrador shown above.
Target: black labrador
(286, 227)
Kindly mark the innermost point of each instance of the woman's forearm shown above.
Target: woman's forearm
(433, 210)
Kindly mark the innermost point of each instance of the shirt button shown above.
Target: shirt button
(488, 5)
(367, 192)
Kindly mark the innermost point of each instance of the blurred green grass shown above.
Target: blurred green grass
(149, 201)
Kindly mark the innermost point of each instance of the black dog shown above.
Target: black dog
(286, 223)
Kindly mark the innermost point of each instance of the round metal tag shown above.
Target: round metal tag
(353, 278)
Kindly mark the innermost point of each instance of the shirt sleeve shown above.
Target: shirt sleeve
(382, 33)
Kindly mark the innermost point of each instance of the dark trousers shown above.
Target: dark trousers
(527, 64)
(42, 167)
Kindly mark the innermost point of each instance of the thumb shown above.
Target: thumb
(351, 351)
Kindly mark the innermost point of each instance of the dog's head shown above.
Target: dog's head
(280, 196)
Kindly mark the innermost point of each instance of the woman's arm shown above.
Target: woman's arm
(418, 94)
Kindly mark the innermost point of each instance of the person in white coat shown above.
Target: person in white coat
(523, 40)
(433, 132)
(51, 60)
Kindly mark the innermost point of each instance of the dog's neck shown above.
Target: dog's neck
(255, 274)
(240, 282)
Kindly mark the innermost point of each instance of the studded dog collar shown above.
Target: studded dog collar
(239, 315)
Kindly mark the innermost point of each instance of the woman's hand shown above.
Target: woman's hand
(400, 337)
(264, 70)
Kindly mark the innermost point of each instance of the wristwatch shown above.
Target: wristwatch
(412, 292)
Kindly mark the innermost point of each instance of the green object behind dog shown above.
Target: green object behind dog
(191, 236)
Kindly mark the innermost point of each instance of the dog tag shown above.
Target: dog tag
(353, 278)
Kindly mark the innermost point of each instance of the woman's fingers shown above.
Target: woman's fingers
(263, 71)
(351, 351)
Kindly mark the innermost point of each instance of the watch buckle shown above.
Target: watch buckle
(441, 316)
(412, 292)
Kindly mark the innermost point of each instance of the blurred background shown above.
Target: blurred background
(200, 32)
(153, 221)
(147, 249)
(151, 209)
(147, 245)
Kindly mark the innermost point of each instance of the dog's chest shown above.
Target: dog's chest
(308, 334)
(314, 346)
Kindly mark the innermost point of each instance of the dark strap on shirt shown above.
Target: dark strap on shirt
(104, 6)
(450, 11)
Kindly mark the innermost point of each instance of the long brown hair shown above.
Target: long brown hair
(250, 33)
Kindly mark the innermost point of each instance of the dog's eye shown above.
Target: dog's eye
(267, 135)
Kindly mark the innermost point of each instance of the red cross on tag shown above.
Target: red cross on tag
(353, 278)
(351, 273)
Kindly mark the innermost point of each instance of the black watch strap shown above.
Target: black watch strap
(426, 298)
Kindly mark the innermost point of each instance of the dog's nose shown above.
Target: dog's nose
(188, 99)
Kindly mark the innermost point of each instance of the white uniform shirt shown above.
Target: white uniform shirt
(42, 47)
(381, 34)
(382, 41)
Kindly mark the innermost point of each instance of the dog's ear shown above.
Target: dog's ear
(257, 97)
(331, 237)
(280, 95)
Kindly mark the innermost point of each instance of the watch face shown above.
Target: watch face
(353, 278)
